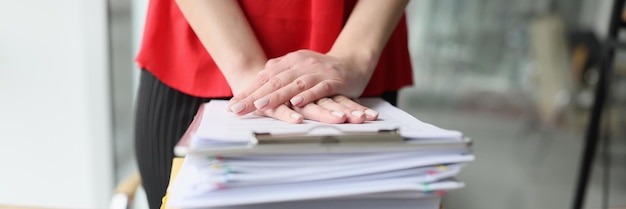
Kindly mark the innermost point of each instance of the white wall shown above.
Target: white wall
(54, 104)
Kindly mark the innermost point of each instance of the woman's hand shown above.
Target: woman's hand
(300, 78)
(338, 109)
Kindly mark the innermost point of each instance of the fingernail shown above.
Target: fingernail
(296, 100)
(236, 108)
(260, 103)
(338, 114)
(357, 114)
(371, 113)
(296, 116)
(228, 106)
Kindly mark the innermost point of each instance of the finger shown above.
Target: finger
(354, 115)
(284, 113)
(258, 99)
(281, 74)
(286, 93)
(238, 96)
(272, 67)
(316, 112)
(370, 114)
(320, 90)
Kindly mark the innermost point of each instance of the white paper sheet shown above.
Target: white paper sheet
(185, 192)
(224, 173)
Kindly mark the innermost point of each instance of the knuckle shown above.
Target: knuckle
(332, 66)
(326, 87)
(263, 77)
(249, 100)
(270, 63)
(276, 83)
(311, 61)
(301, 85)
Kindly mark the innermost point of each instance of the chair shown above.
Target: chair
(124, 193)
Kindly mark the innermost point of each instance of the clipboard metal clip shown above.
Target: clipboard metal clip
(380, 136)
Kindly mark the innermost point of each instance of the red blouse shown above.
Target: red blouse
(171, 51)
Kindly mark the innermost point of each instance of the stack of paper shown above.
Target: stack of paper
(227, 167)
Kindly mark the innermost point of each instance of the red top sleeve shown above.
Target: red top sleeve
(171, 51)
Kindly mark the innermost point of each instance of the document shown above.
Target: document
(230, 171)
(188, 192)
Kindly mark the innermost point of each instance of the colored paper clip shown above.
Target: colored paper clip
(216, 166)
(225, 177)
(215, 158)
(426, 188)
(224, 168)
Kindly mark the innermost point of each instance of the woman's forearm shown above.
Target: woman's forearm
(369, 26)
(226, 34)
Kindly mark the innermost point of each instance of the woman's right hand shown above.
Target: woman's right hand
(335, 110)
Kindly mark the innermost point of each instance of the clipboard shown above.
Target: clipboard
(352, 142)
(344, 142)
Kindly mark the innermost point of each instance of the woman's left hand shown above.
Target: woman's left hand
(300, 78)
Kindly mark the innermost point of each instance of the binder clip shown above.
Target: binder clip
(343, 137)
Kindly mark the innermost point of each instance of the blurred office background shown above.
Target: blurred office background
(507, 73)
